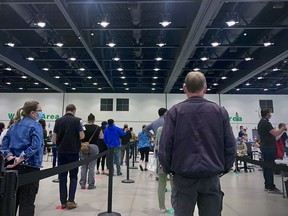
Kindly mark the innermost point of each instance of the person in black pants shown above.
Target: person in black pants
(102, 147)
(144, 148)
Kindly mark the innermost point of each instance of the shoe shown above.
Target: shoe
(71, 205)
(63, 206)
(103, 172)
(119, 174)
(273, 191)
(141, 168)
(145, 169)
(91, 187)
(97, 172)
(163, 210)
(83, 187)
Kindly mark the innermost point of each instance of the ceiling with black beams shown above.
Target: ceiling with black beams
(148, 46)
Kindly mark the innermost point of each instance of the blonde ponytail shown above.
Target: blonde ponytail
(18, 115)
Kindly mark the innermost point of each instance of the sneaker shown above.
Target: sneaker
(71, 205)
(273, 191)
(83, 187)
(163, 210)
(103, 172)
(119, 174)
(97, 172)
(63, 206)
(91, 187)
(141, 168)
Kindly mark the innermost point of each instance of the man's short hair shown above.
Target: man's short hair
(110, 122)
(195, 82)
(241, 126)
(70, 107)
(265, 111)
(125, 125)
(162, 111)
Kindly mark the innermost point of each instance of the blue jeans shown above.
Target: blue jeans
(269, 154)
(65, 159)
(116, 160)
(54, 151)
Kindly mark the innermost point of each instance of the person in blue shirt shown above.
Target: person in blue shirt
(23, 143)
(143, 147)
(112, 136)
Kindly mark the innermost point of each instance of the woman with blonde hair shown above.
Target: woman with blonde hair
(23, 148)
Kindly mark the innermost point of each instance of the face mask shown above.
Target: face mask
(40, 115)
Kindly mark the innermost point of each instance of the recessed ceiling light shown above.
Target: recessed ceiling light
(125, 83)
(165, 23)
(20, 88)
(24, 77)
(247, 84)
(94, 83)
(92, 34)
(224, 77)
(204, 58)
(120, 69)
(155, 77)
(238, 89)
(40, 24)
(126, 89)
(72, 58)
(104, 23)
(234, 69)
(156, 69)
(99, 88)
(158, 58)
(45, 69)
(8, 83)
(89, 77)
(10, 44)
(215, 44)
(161, 44)
(46, 88)
(73, 88)
(81, 69)
(209, 89)
(57, 77)
(154, 84)
(153, 89)
(8, 68)
(66, 83)
(181, 89)
(36, 83)
(276, 69)
(215, 84)
(265, 89)
(231, 22)
(196, 69)
(30, 58)
(268, 43)
(59, 44)
(259, 78)
(111, 44)
(248, 59)
(79, 37)
(278, 84)
(245, 34)
(116, 58)
(122, 77)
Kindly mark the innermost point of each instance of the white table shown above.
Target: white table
(285, 162)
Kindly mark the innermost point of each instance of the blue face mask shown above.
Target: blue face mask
(40, 115)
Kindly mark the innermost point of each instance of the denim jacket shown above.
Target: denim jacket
(25, 139)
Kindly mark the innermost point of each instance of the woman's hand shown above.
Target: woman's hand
(17, 161)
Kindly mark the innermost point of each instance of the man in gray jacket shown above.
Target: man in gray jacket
(197, 145)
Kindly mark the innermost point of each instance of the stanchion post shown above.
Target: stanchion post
(127, 163)
(9, 185)
(110, 186)
(133, 157)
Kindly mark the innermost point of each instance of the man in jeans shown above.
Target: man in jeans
(267, 136)
(68, 131)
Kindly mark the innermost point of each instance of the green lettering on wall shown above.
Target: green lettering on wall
(11, 115)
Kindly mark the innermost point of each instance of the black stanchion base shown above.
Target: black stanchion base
(110, 214)
(127, 181)
(133, 167)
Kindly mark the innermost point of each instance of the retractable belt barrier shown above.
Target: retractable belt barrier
(267, 164)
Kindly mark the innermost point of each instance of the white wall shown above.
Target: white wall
(143, 107)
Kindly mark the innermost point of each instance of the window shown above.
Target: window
(266, 104)
(122, 104)
(106, 104)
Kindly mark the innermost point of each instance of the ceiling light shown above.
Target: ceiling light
(36, 83)
(156, 69)
(40, 24)
(111, 44)
(57, 77)
(125, 83)
(247, 84)
(158, 58)
(208, 89)
(104, 23)
(204, 58)
(122, 77)
(10, 44)
(248, 59)
(59, 44)
(231, 22)
(92, 34)
(24, 77)
(116, 58)
(30, 58)
(238, 89)
(20, 88)
(81, 69)
(215, 44)
(153, 89)
(154, 84)
(224, 77)
(95, 83)
(155, 77)
(215, 84)
(120, 69)
(278, 84)
(8, 83)
(181, 89)
(268, 43)
(8, 68)
(259, 78)
(265, 89)
(126, 89)
(234, 69)
(276, 69)
(72, 58)
(46, 88)
(165, 23)
(45, 69)
(99, 88)
(196, 69)
(89, 77)
(245, 34)
(73, 88)
(161, 44)
(66, 83)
